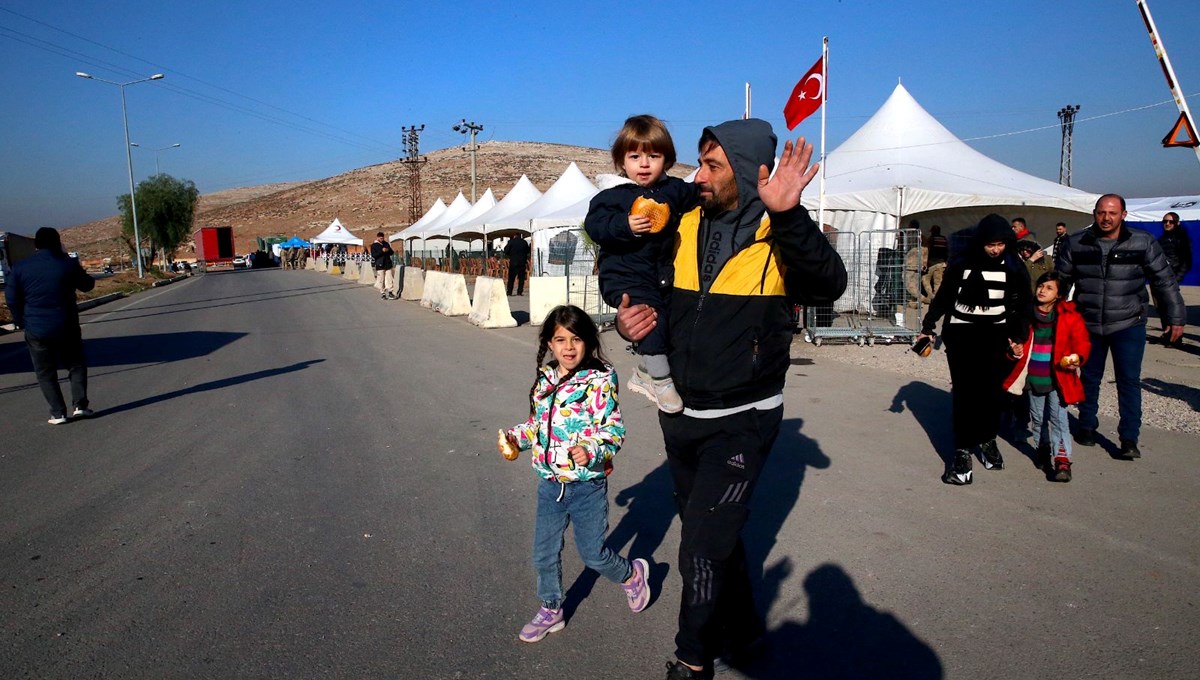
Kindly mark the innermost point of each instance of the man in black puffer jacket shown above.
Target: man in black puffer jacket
(1109, 262)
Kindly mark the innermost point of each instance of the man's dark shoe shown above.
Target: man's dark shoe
(676, 670)
(1085, 437)
(959, 472)
(992, 460)
(1129, 449)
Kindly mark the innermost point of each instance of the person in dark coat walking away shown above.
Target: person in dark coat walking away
(517, 252)
(41, 296)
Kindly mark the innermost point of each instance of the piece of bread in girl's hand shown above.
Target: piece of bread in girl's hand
(506, 447)
(658, 213)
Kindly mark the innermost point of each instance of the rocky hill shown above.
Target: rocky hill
(366, 200)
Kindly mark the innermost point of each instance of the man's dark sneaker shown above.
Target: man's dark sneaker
(992, 460)
(959, 472)
(1129, 449)
(1085, 437)
(678, 671)
(1043, 456)
(1062, 469)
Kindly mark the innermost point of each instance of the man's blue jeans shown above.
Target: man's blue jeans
(584, 504)
(1127, 348)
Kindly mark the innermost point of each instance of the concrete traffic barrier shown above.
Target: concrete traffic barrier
(350, 271)
(367, 273)
(434, 282)
(310, 263)
(489, 308)
(414, 284)
(397, 273)
(322, 264)
(548, 292)
(454, 300)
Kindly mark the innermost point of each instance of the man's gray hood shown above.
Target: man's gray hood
(748, 144)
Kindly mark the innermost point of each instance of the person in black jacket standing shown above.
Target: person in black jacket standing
(381, 262)
(517, 252)
(1109, 263)
(730, 336)
(41, 296)
(986, 302)
(1177, 248)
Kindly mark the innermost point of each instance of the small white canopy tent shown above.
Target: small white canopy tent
(452, 228)
(337, 234)
(903, 163)
(433, 213)
(519, 197)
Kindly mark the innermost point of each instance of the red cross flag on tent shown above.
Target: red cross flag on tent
(807, 96)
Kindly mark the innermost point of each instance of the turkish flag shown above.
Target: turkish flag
(807, 96)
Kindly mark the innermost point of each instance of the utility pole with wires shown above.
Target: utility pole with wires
(414, 160)
(470, 129)
(1066, 119)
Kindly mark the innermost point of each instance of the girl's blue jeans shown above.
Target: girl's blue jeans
(584, 505)
(1049, 409)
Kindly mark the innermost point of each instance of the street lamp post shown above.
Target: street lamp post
(157, 171)
(470, 129)
(137, 240)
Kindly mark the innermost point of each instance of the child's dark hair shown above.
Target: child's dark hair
(1051, 275)
(576, 321)
(644, 131)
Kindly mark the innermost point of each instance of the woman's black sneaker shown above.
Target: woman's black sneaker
(959, 472)
(678, 671)
(992, 460)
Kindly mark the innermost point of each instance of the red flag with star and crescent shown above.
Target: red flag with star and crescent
(807, 96)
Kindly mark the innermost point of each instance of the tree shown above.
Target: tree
(166, 211)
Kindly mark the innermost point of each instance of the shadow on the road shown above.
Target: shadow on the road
(208, 386)
(931, 407)
(1185, 393)
(192, 306)
(775, 495)
(155, 348)
(844, 638)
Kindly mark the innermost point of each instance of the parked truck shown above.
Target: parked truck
(214, 246)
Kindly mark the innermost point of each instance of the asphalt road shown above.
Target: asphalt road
(290, 478)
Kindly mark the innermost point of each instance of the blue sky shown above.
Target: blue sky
(259, 92)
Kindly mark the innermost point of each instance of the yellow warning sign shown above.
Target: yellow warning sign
(1183, 127)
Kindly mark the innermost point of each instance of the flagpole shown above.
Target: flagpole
(746, 114)
(824, 90)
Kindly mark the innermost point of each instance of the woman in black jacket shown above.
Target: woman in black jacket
(1177, 247)
(985, 301)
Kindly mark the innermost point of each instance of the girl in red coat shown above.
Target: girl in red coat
(1048, 369)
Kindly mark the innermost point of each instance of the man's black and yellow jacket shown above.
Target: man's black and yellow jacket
(737, 275)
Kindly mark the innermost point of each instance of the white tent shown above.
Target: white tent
(457, 208)
(903, 163)
(452, 228)
(337, 234)
(562, 200)
(434, 212)
(518, 198)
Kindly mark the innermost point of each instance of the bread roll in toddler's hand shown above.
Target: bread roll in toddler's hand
(658, 213)
(507, 448)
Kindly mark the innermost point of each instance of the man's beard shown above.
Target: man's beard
(718, 201)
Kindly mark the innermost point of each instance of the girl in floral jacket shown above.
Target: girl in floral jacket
(574, 428)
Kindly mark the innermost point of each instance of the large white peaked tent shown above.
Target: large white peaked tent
(485, 203)
(904, 163)
(434, 212)
(337, 234)
(457, 208)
